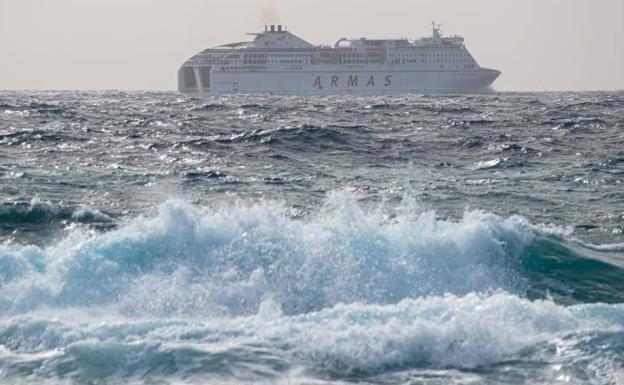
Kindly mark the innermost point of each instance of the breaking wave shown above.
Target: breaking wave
(349, 342)
(226, 260)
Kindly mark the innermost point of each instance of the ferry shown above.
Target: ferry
(277, 61)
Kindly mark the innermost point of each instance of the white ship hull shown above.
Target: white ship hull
(341, 81)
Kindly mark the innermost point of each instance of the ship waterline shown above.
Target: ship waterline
(277, 61)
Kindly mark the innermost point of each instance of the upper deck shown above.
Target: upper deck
(277, 47)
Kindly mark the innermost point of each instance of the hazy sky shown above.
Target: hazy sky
(139, 44)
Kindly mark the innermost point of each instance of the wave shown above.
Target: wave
(50, 133)
(349, 342)
(572, 271)
(37, 211)
(225, 260)
(303, 138)
(485, 164)
(42, 109)
(210, 107)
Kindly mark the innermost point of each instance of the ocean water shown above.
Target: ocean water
(155, 238)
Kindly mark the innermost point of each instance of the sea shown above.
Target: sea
(157, 238)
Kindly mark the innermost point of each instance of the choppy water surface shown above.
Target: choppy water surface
(422, 239)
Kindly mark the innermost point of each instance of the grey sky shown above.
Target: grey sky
(139, 44)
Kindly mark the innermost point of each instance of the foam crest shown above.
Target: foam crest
(228, 259)
(446, 331)
(38, 211)
(352, 341)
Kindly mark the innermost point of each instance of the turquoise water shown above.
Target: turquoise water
(427, 239)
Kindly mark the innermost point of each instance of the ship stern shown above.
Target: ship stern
(187, 81)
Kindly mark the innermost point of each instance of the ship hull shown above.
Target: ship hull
(328, 81)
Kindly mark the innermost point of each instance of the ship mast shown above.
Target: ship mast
(437, 32)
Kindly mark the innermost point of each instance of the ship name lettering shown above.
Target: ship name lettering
(317, 82)
(352, 81)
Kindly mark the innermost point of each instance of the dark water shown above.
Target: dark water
(424, 239)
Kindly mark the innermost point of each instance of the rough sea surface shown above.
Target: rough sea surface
(155, 238)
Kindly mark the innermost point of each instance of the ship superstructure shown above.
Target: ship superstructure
(277, 61)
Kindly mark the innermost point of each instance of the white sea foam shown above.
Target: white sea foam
(228, 259)
(353, 339)
(344, 290)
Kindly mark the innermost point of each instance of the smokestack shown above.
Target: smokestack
(279, 28)
(266, 28)
(272, 28)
